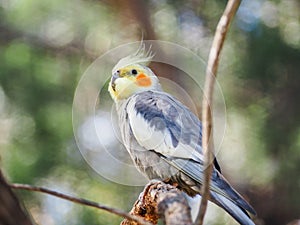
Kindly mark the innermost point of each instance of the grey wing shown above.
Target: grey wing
(164, 113)
(162, 124)
(219, 184)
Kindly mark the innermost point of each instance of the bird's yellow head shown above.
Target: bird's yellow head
(130, 80)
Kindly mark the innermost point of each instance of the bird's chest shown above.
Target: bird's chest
(147, 161)
(126, 132)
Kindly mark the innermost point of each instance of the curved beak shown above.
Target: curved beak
(113, 79)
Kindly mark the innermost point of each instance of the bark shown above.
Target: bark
(160, 200)
(11, 210)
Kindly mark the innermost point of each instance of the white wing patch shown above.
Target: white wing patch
(158, 140)
(144, 134)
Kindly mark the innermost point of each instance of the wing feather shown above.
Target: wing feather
(161, 123)
(218, 184)
(195, 171)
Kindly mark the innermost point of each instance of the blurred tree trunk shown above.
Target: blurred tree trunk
(11, 211)
(134, 12)
(137, 12)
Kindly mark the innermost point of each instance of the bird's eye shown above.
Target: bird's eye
(134, 72)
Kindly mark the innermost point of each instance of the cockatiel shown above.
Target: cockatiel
(163, 137)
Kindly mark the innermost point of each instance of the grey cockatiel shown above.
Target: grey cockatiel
(163, 137)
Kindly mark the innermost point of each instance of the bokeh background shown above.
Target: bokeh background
(45, 47)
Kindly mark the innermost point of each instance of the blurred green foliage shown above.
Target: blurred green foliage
(45, 46)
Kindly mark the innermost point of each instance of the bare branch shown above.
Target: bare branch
(81, 201)
(211, 73)
(160, 200)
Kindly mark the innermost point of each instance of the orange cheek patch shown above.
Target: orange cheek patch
(143, 80)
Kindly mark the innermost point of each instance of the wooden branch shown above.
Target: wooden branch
(211, 73)
(160, 200)
(81, 201)
(11, 211)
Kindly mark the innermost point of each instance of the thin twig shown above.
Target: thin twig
(81, 201)
(211, 73)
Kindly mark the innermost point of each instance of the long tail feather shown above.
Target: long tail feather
(223, 184)
(235, 211)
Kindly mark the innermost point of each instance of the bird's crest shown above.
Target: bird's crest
(141, 56)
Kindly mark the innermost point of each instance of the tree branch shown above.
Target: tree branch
(211, 73)
(160, 200)
(81, 201)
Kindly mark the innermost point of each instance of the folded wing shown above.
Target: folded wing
(162, 124)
